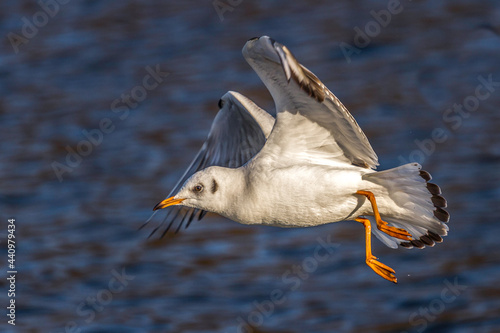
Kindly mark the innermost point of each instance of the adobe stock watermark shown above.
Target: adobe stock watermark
(121, 107)
(96, 303)
(427, 314)
(372, 28)
(32, 25)
(292, 279)
(453, 117)
(222, 6)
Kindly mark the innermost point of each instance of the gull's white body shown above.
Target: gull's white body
(271, 193)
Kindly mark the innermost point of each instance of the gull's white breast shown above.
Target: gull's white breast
(298, 195)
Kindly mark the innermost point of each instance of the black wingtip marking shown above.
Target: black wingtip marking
(191, 217)
(406, 244)
(178, 228)
(181, 217)
(441, 214)
(311, 84)
(425, 175)
(439, 201)
(417, 243)
(170, 223)
(435, 237)
(202, 214)
(433, 188)
(427, 240)
(153, 232)
(167, 229)
(306, 80)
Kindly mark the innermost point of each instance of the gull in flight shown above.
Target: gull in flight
(310, 166)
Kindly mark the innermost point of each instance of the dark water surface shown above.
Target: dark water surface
(83, 266)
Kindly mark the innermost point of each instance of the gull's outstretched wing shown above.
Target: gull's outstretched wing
(311, 123)
(238, 132)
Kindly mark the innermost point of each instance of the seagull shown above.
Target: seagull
(309, 166)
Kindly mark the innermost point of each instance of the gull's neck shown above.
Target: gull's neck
(233, 196)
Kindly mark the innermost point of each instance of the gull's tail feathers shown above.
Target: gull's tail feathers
(418, 206)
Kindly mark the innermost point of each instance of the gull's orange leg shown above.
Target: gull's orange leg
(382, 225)
(383, 270)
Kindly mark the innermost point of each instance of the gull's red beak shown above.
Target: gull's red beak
(168, 202)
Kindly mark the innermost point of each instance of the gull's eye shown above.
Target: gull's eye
(221, 103)
(198, 188)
